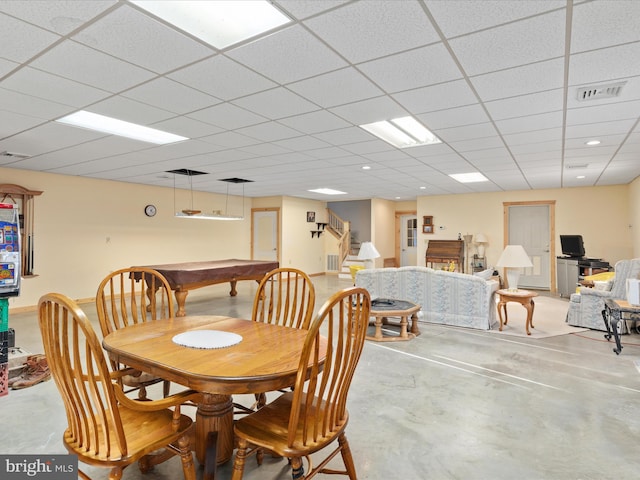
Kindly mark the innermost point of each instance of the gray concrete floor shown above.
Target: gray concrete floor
(453, 403)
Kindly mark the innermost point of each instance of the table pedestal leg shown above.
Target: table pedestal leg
(215, 414)
(403, 326)
(502, 306)
(378, 334)
(529, 306)
(181, 298)
(233, 291)
(414, 325)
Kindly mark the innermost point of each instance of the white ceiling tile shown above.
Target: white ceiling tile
(61, 16)
(186, 127)
(46, 138)
(530, 123)
(327, 152)
(595, 130)
(368, 111)
(526, 105)
(164, 48)
(607, 141)
(543, 147)
(276, 103)
(20, 41)
(223, 78)
(604, 23)
(344, 136)
(499, 154)
(266, 149)
(362, 31)
(457, 17)
(52, 87)
(130, 111)
(315, 122)
(6, 66)
(172, 96)
(321, 89)
(511, 45)
(523, 80)
(288, 55)
(412, 69)
(230, 140)
(305, 8)
(77, 62)
(21, 104)
(269, 132)
(365, 148)
(437, 97)
(592, 113)
(476, 144)
(537, 136)
(467, 132)
(12, 123)
(454, 117)
(227, 116)
(601, 66)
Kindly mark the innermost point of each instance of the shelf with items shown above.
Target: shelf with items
(479, 264)
(427, 224)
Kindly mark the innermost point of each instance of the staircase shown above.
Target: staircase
(346, 264)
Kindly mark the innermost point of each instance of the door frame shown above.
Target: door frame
(267, 209)
(397, 226)
(553, 287)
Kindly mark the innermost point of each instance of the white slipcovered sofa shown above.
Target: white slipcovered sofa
(448, 298)
(585, 308)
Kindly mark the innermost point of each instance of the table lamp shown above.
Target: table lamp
(513, 258)
(368, 253)
(481, 239)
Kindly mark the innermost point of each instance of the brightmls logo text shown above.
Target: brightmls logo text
(49, 467)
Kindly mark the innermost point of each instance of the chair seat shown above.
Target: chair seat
(145, 433)
(268, 428)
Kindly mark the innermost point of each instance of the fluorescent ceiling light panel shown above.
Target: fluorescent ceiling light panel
(113, 126)
(328, 191)
(402, 132)
(218, 23)
(469, 177)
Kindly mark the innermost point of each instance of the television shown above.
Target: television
(572, 245)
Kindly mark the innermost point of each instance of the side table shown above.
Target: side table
(613, 313)
(382, 308)
(523, 297)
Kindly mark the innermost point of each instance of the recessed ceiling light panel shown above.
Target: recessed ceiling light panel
(472, 177)
(328, 191)
(113, 126)
(219, 23)
(402, 132)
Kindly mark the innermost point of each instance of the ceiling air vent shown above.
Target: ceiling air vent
(16, 156)
(600, 91)
(576, 165)
(187, 172)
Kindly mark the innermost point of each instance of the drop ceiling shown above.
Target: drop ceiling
(497, 81)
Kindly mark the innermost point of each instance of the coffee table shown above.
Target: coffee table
(615, 311)
(383, 308)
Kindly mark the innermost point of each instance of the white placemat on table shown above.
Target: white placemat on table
(207, 339)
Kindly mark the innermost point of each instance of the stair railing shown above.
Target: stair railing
(341, 229)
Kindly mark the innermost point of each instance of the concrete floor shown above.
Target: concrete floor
(453, 403)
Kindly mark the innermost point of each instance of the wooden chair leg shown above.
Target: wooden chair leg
(238, 463)
(211, 457)
(297, 468)
(347, 458)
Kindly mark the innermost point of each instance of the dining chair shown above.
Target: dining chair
(286, 297)
(105, 427)
(314, 415)
(129, 296)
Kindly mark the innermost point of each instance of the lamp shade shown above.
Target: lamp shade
(513, 258)
(481, 238)
(367, 251)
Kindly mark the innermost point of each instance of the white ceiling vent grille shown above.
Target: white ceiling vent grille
(576, 165)
(600, 91)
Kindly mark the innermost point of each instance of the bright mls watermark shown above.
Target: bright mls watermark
(39, 467)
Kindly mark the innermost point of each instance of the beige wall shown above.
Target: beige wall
(86, 228)
(600, 214)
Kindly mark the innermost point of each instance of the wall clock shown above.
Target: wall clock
(150, 210)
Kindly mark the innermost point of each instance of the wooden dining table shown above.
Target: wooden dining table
(266, 359)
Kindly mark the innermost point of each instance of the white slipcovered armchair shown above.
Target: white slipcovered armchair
(585, 308)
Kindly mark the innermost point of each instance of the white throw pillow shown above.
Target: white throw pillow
(602, 286)
(485, 274)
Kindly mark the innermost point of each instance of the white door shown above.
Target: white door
(408, 240)
(264, 224)
(529, 227)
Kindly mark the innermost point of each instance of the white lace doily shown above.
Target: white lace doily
(207, 339)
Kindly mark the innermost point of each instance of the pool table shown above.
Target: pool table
(183, 277)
